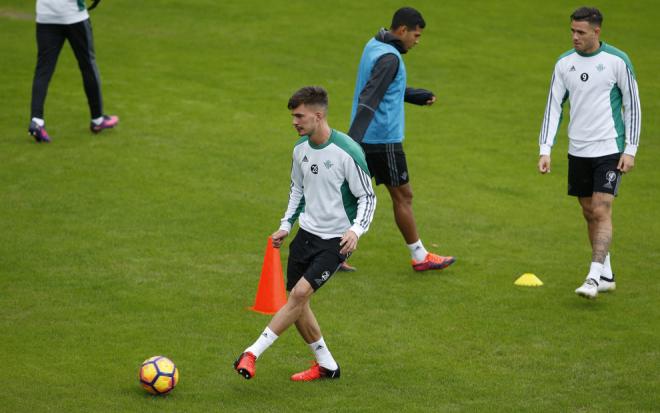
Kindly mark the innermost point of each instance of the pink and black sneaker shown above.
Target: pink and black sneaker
(38, 133)
(433, 262)
(109, 122)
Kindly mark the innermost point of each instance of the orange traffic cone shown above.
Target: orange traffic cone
(271, 295)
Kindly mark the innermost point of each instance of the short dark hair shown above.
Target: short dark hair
(588, 14)
(409, 17)
(309, 95)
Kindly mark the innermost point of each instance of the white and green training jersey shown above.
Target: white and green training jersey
(331, 188)
(61, 11)
(605, 113)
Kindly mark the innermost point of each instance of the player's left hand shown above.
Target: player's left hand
(626, 163)
(430, 101)
(278, 237)
(348, 242)
(544, 164)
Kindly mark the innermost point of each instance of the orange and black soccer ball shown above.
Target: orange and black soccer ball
(158, 375)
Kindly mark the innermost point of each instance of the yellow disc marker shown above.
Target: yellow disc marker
(528, 280)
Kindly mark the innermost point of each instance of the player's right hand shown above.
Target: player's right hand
(278, 237)
(348, 242)
(544, 164)
(626, 163)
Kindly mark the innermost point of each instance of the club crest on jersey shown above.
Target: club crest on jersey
(315, 169)
(610, 176)
(600, 67)
(327, 164)
(584, 77)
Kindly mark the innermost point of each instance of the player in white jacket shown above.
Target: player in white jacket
(57, 21)
(599, 82)
(331, 193)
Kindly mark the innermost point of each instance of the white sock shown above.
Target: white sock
(39, 121)
(595, 271)
(97, 121)
(607, 267)
(417, 250)
(323, 356)
(263, 342)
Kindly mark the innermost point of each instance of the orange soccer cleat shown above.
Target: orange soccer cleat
(316, 372)
(245, 365)
(432, 262)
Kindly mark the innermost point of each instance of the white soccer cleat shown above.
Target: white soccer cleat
(589, 289)
(606, 284)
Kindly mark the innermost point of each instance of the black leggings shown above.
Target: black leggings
(50, 38)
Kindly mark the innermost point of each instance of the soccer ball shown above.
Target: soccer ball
(158, 375)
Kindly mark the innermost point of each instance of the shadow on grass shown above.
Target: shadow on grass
(138, 391)
(598, 304)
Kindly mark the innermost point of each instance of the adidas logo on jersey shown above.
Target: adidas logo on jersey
(305, 159)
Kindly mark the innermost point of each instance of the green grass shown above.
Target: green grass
(149, 239)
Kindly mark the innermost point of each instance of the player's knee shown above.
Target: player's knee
(601, 212)
(408, 196)
(601, 203)
(403, 198)
(588, 214)
(299, 295)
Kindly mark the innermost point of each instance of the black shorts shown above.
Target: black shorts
(314, 258)
(387, 163)
(589, 175)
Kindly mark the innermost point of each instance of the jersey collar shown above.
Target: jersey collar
(600, 49)
(328, 142)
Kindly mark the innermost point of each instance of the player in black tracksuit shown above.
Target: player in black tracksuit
(59, 21)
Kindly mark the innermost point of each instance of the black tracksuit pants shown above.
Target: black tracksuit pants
(50, 39)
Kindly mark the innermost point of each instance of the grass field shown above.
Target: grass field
(149, 239)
